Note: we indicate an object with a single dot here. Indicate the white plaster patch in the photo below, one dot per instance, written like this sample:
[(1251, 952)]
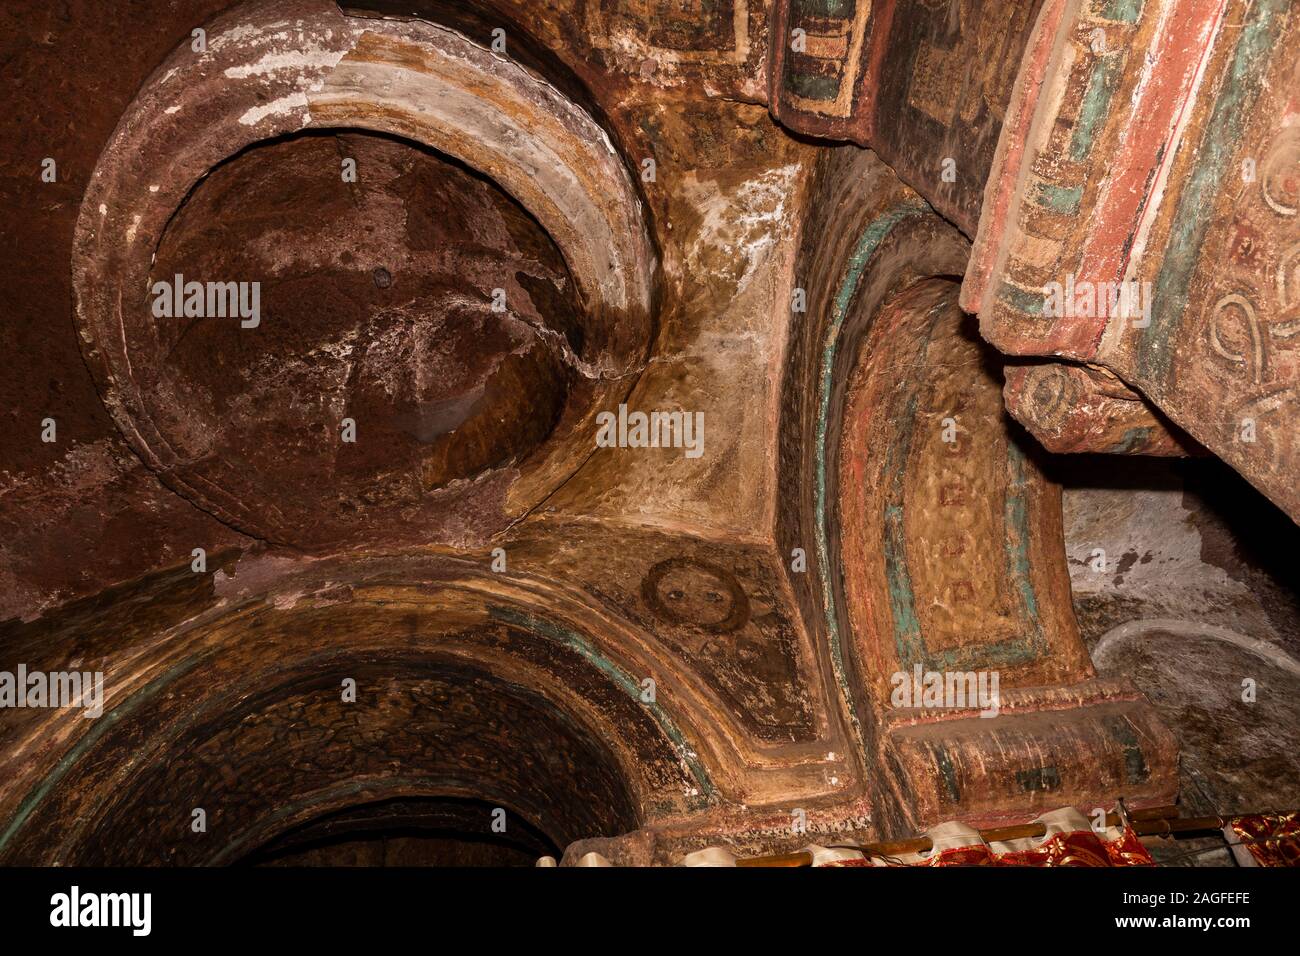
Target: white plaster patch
[(257, 575), (745, 225), (1153, 529), (84, 468), (235, 35), (285, 104), (285, 602), (312, 58)]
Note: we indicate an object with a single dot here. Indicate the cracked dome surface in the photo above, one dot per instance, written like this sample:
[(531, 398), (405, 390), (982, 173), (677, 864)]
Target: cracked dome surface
[(376, 305)]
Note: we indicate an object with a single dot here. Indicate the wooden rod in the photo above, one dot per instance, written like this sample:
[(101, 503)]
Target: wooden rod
[(802, 858)]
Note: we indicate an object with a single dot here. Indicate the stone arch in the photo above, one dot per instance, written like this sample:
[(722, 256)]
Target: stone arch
[(945, 557), (459, 695)]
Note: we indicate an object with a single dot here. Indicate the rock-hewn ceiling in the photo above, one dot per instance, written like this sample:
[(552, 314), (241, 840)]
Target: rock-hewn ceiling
[(612, 414)]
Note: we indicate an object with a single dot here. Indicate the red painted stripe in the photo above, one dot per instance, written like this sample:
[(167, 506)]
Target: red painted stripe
[(994, 225), (1146, 152), (879, 23)]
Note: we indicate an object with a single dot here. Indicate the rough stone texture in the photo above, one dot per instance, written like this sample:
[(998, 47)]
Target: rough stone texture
[(404, 342), (83, 513), (1177, 536), (1240, 751), (425, 831), (667, 652), (1197, 592)]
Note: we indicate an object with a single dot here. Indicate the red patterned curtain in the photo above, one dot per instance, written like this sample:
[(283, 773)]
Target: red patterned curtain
[(1269, 839), (1069, 841)]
